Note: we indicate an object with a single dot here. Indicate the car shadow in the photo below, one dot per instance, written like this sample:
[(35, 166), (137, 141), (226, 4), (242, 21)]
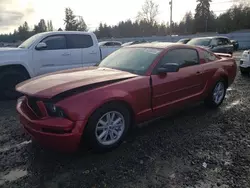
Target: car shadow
[(142, 145)]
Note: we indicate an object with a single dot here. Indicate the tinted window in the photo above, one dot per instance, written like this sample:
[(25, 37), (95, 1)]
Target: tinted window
[(116, 44), (112, 44), (55, 42), (225, 41), (109, 44), (200, 41), (222, 41), (79, 41), (183, 57)]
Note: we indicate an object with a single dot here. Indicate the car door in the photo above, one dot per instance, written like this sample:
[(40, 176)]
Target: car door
[(54, 57), (220, 45), (82, 49), (228, 45), (176, 88)]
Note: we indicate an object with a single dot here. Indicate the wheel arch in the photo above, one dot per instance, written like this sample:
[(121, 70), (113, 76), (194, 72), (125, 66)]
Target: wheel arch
[(220, 74), (15, 67), (120, 101)]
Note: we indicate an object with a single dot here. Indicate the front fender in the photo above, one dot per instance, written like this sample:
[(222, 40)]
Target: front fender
[(17, 58), (16, 63), (83, 105)]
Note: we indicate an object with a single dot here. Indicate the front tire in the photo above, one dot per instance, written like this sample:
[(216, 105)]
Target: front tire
[(244, 72), (217, 96), (107, 127), (8, 80)]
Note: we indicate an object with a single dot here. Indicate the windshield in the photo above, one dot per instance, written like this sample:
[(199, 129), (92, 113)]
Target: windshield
[(27, 43), (200, 42), (134, 60)]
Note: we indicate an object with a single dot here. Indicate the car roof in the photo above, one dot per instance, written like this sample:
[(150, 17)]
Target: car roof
[(161, 45), (213, 37), (109, 41), (185, 39)]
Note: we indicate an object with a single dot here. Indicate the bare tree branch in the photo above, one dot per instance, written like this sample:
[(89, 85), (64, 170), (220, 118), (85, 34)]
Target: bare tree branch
[(149, 12), (245, 2)]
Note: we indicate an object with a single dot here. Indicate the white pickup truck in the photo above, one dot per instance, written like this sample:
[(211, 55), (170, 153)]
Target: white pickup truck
[(245, 63), (48, 52)]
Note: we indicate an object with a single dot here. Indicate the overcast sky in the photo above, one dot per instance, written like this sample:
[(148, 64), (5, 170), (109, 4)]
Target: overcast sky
[(15, 12)]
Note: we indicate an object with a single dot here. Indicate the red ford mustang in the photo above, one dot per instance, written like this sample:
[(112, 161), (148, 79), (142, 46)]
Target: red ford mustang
[(134, 84)]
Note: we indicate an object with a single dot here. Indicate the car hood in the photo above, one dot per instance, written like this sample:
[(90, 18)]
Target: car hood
[(50, 85), (6, 54), (8, 49)]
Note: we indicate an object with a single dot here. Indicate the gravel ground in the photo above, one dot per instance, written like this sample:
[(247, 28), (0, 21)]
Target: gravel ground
[(195, 148)]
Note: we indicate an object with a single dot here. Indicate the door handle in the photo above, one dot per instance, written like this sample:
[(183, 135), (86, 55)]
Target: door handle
[(66, 54), (93, 52), (198, 72)]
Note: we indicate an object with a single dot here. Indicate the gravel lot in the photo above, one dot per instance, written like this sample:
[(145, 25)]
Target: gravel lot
[(195, 148)]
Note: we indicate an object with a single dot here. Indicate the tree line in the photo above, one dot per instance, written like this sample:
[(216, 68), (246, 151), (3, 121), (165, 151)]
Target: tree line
[(71, 21), (204, 20)]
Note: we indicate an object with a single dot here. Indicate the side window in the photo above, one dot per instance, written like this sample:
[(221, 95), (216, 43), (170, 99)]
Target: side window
[(221, 41), (209, 57), (79, 41), (55, 42), (108, 44), (226, 41), (214, 42), (116, 44), (183, 57)]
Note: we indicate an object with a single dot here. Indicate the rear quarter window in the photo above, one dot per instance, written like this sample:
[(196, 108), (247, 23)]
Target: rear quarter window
[(79, 41), (208, 56)]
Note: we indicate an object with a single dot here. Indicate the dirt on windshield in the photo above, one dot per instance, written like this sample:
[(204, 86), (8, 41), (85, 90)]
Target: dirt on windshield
[(195, 148)]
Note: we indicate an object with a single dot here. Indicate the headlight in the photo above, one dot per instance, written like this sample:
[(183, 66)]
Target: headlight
[(54, 111)]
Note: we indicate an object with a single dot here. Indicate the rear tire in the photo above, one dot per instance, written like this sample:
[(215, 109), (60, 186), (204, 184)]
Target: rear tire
[(104, 135), (8, 80), (217, 95), (244, 73)]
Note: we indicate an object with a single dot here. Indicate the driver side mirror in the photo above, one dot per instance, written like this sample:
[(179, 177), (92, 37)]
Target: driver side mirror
[(41, 46), (168, 67)]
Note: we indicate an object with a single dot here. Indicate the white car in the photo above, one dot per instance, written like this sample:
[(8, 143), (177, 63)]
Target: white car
[(110, 43), (48, 52), (245, 62)]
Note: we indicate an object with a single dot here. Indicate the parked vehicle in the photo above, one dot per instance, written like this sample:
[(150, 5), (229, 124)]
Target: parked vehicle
[(214, 44), (110, 43), (134, 84), (48, 52), (133, 42), (184, 41), (245, 63), (235, 44)]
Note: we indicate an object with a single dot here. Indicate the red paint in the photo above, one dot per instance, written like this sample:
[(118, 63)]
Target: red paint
[(172, 90)]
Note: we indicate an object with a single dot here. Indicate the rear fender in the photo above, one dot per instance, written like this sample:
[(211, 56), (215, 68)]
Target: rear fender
[(219, 74)]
